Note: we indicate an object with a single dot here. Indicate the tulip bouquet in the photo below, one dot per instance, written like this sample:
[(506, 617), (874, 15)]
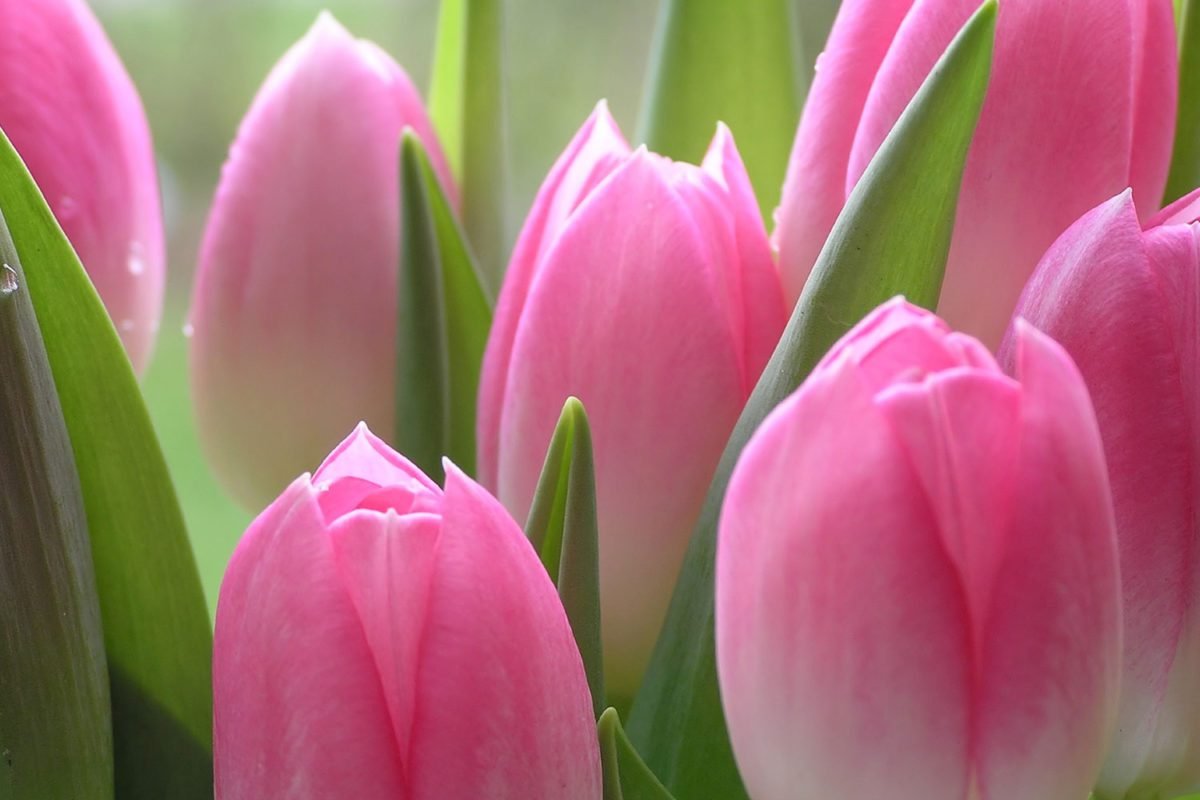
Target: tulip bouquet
[(892, 493)]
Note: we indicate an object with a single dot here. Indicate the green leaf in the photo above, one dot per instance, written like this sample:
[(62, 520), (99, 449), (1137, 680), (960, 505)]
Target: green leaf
[(626, 776), (716, 60), (55, 722), (1184, 175), (892, 237), (467, 102), (444, 318), (157, 633), (562, 527)]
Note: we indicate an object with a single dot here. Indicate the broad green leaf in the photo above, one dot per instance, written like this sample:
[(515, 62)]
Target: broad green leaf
[(892, 238), (735, 62), (1184, 175), (562, 527), (626, 776), (157, 633), (444, 318), (467, 102), (55, 720)]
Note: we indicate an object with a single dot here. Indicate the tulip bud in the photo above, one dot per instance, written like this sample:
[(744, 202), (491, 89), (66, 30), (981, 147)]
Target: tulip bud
[(377, 637), (916, 577), (1123, 301), (1080, 104), (645, 288), (71, 111), (294, 311)]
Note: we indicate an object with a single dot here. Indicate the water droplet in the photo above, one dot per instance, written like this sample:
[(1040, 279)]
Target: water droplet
[(817, 65), (188, 330), (65, 208), (8, 280), (137, 258), (127, 325)]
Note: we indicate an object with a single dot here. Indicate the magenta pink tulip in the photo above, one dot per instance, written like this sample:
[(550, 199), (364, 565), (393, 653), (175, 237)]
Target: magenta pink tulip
[(646, 288), (1125, 302), (294, 311), (916, 579), (74, 116), (1081, 104), (380, 638)]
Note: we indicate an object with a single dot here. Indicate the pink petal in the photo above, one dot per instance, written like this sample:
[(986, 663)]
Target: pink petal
[(295, 299), (842, 633), (1155, 99), (961, 431), (299, 711), (1050, 671), (73, 114), (1036, 163), (757, 306), (629, 315), (1124, 304), (387, 563), (814, 191), (503, 709), (595, 152)]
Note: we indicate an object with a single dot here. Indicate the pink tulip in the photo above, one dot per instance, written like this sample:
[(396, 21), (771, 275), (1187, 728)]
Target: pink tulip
[(74, 116), (1125, 303), (380, 638), (294, 311), (916, 578), (1081, 104), (645, 288)]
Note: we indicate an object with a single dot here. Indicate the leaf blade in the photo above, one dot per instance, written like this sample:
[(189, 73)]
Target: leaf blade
[(562, 525), (157, 633), (731, 62), (53, 674), (888, 240), (443, 319), (626, 776), (467, 103)]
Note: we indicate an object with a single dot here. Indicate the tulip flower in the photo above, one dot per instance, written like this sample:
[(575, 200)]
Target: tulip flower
[(1123, 301), (74, 116), (1080, 105), (377, 637), (645, 288), (916, 576), (294, 310)]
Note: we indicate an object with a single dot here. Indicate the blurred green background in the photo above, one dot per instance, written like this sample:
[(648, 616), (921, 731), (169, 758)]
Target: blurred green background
[(197, 64)]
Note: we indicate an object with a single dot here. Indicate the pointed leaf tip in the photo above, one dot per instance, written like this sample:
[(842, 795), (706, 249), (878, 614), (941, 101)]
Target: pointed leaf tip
[(562, 526)]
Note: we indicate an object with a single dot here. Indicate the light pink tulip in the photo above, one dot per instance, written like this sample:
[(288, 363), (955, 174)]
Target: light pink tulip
[(294, 311), (73, 114), (1125, 303), (916, 578), (378, 638), (1081, 104), (646, 288)]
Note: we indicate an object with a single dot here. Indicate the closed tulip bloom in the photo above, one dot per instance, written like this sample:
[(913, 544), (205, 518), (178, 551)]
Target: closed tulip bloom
[(377, 637), (1124, 301), (1080, 105), (70, 109), (646, 288), (916, 576), (294, 309)]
